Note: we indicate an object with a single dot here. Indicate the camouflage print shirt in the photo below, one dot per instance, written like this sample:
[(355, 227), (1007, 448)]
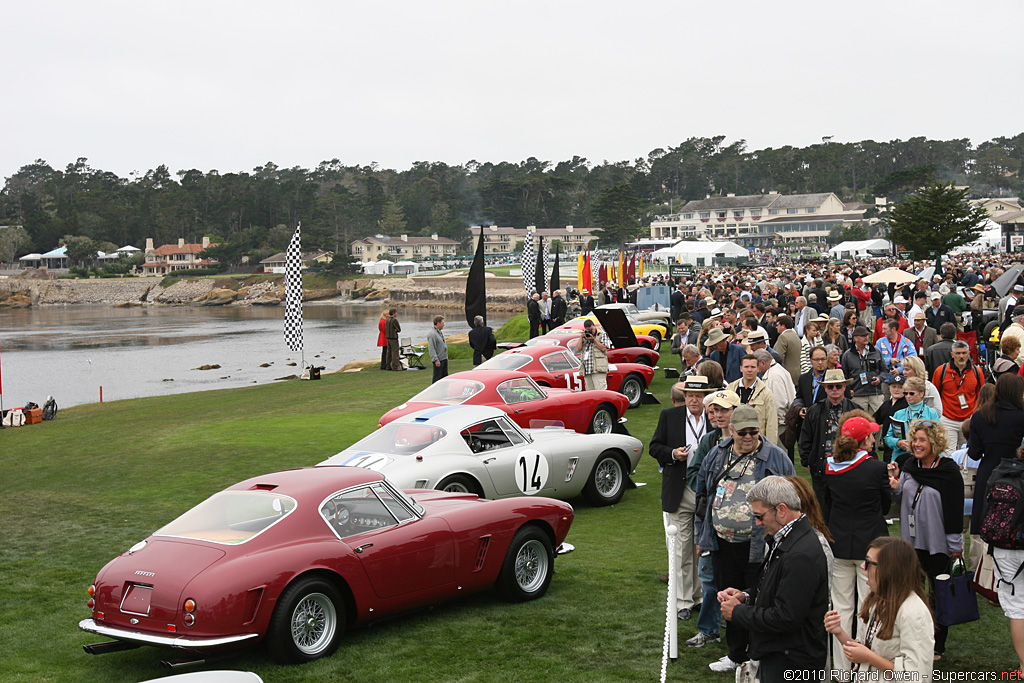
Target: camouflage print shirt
[(731, 516)]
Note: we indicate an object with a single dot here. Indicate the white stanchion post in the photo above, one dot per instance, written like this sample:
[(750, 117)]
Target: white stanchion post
[(670, 647)]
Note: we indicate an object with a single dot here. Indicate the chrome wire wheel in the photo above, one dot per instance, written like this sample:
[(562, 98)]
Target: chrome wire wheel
[(531, 566), (608, 477), (314, 621), (603, 421), (632, 388)]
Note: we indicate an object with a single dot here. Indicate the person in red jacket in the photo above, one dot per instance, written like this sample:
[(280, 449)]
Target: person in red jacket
[(888, 313), (382, 341), (959, 382)]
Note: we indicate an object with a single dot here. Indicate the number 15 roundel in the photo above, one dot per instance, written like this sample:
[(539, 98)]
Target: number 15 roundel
[(531, 471)]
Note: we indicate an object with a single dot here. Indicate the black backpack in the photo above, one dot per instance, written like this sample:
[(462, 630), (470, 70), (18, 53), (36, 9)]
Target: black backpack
[(1002, 519)]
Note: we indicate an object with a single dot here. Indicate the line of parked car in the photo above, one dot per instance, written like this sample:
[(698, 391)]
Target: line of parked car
[(461, 488)]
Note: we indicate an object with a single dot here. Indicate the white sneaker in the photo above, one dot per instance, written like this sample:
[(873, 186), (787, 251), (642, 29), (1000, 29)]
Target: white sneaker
[(723, 664)]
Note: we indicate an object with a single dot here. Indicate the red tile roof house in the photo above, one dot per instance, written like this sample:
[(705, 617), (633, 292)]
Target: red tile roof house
[(172, 257)]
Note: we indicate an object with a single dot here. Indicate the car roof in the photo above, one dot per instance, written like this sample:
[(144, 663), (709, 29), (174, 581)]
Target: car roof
[(309, 483), (458, 416), (490, 378)]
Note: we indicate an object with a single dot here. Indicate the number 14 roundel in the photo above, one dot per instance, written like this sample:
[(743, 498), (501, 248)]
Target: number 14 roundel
[(531, 471)]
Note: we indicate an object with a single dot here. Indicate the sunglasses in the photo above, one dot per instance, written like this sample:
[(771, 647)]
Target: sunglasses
[(759, 516), (749, 432), (926, 423), (910, 393), (836, 387)]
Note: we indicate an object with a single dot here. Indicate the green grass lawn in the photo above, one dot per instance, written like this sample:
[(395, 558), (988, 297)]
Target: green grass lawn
[(77, 491)]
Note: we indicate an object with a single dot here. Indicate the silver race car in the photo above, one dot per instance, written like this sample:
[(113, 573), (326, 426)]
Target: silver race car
[(478, 449)]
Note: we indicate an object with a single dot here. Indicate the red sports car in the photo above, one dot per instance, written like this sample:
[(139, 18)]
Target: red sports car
[(629, 354), (558, 367), (529, 405), (293, 558)]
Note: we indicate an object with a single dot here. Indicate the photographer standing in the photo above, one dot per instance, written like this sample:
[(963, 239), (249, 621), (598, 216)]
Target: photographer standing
[(594, 343)]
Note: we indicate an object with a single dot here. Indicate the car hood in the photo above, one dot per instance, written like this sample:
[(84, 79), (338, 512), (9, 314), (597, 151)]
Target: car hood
[(166, 566)]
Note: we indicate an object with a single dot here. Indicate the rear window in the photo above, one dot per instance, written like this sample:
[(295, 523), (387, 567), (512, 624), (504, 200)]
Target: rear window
[(231, 517), (450, 391), (506, 361)]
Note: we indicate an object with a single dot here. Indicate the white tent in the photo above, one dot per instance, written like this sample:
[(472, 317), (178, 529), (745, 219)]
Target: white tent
[(991, 238), (699, 253), (406, 268), (860, 249), (381, 267)]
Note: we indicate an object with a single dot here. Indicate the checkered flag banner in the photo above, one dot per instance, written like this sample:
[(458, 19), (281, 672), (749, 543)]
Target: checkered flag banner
[(529, 263), (547, 267), (293, 291)]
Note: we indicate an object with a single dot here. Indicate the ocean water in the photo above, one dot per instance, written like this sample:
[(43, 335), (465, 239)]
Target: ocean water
[(70, 352)]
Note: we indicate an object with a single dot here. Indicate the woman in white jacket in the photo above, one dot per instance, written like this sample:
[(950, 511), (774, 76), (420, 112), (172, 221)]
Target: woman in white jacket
[(895, 631)]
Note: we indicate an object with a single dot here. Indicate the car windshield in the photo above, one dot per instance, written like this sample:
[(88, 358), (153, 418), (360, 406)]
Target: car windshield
[(449, 390), (231, 517), (506, 361), (399, 438)]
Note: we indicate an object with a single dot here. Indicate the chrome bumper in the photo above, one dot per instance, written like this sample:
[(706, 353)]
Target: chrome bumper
[(183, 642), (564, 549)]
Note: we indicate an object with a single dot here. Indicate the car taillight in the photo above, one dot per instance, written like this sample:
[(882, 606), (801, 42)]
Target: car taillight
[(92, 590), (91, 603), (190, 606)]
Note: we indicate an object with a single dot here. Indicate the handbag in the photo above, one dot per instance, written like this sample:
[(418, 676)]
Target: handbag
[(955, 599), (748, 672), (986, 583)]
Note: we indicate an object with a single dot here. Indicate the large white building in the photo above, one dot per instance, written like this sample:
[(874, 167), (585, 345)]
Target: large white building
[(760, 219)]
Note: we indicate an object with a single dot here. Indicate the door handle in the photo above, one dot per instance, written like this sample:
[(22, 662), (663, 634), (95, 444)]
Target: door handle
[(359, 549), (518, 410), (488, 461)]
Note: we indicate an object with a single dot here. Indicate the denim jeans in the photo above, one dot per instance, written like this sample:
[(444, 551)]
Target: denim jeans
[(709, 622)]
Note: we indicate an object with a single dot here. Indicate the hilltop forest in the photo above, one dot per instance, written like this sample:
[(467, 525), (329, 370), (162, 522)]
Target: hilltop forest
[(256, 211)]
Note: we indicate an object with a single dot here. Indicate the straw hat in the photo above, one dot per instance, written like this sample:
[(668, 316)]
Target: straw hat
[(835, 377), (715, 336)]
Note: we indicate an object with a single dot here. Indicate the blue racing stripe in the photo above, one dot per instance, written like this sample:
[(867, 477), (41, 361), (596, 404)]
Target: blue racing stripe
[(423, 417)]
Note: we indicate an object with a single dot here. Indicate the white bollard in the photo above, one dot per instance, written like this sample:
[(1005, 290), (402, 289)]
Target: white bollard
[(670, 646)]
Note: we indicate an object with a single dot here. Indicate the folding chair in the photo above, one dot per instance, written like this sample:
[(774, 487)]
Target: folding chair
[(411, 353)]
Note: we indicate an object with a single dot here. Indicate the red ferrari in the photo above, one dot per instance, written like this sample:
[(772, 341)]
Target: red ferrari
[(556, 366), (528, 404), (628, 354), (291, 559), (574, 327)]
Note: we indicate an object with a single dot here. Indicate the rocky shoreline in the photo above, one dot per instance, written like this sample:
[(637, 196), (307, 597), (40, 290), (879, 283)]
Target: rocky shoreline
[(443, 293)]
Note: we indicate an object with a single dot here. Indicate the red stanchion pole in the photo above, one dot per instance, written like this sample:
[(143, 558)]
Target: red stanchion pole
[(101, 393)]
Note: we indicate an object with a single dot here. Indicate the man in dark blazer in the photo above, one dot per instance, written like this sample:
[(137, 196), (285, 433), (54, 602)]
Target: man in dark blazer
[(558, 308), (533, 314), (784, 611), (808, 388), (586, 302), (679, 431), (921, 335)]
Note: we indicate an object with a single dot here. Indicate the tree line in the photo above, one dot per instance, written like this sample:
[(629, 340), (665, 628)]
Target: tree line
[(256, 211)]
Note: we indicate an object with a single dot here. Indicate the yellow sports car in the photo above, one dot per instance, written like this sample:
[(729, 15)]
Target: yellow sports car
[(648, 327)]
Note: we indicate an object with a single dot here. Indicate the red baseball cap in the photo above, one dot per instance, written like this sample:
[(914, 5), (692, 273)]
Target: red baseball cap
[(858, 428)]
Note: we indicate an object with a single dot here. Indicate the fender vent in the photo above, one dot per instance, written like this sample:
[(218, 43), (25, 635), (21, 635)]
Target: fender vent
[(481, 552)]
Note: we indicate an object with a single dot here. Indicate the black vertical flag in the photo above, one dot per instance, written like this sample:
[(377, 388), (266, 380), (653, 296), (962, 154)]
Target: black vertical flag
[(556, 280), (476, 289), (539, 278)]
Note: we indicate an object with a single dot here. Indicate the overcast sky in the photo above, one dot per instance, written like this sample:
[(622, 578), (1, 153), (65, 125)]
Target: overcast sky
[(224, 85)]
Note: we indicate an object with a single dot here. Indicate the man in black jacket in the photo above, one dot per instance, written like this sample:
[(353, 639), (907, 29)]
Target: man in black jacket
[(533, 314), (809, 389), (558, 309), (586, 302), (679, 431), (941, 352), (784, 612), (481, 339), (820, 429)]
